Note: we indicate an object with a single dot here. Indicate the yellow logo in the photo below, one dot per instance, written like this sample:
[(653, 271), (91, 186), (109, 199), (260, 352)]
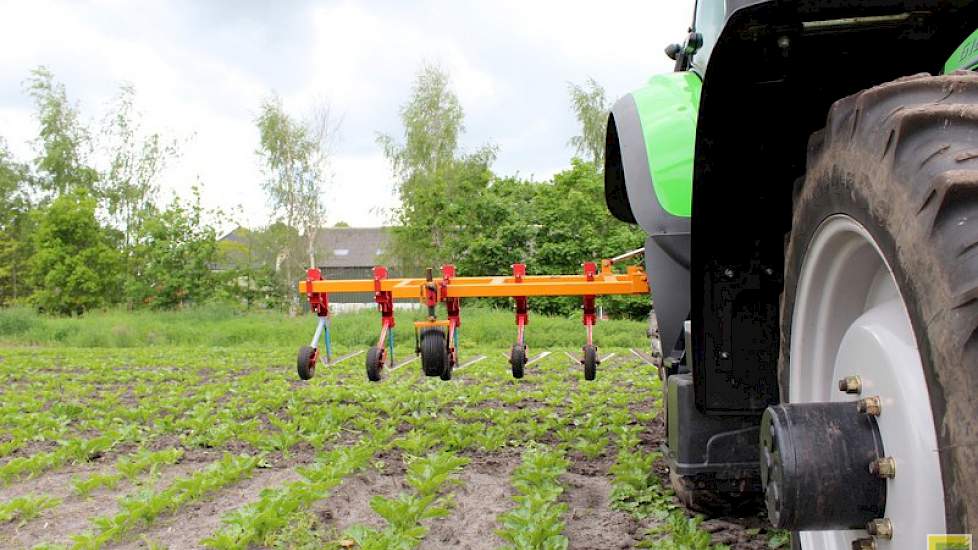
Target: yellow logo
[(949, 542)]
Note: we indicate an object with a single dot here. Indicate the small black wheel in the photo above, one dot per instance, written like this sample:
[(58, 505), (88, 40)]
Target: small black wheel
[(517, 358), (375, 363), (433, 352), (306, 362), (590, 362), (446, 373)]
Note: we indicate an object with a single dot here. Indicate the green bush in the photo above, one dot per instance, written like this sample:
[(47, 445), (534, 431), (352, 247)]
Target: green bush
[(16, 320)]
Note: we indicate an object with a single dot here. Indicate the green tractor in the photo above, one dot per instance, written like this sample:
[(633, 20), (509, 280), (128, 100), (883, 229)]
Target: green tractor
[(810, 192)]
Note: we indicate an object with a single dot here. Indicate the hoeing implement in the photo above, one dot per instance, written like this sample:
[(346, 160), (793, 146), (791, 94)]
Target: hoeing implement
[(436, 340)]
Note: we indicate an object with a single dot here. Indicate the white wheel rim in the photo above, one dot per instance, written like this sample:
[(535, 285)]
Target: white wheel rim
[(851, 320)]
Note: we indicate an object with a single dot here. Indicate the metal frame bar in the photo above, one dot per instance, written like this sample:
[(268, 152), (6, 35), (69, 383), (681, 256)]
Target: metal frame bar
[(602, 284)]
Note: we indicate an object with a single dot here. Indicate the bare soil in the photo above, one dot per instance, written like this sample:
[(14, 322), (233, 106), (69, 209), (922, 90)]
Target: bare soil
[(196, 521), (484, 493), (75, 512)]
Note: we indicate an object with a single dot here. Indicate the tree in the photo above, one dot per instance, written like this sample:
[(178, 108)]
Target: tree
[(64, 142), (16, 225), (295, 157), (435, 181), (176, 255), (76, 264), (432, 121), (573, 226), (135, 161), (591, 109)]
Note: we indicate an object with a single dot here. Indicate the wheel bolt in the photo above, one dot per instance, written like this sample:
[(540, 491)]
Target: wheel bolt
[(851, 384), (883, 467), (864, 544), (881, 527), (869, 405)]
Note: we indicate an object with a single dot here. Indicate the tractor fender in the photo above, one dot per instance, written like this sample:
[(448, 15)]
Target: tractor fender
[(649, 154), (649, 180)]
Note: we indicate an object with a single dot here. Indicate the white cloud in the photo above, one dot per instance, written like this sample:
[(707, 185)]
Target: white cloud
[(201, 69)]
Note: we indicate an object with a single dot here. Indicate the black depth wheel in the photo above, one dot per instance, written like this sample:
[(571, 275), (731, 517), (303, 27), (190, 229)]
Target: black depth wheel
[(590, 362), (433, 352), (517, 358), (375, 363), (446, 373), (306, 362)]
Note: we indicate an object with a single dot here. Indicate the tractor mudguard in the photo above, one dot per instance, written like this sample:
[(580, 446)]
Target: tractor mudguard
[(965, 56), (649, 180), (649, 153)]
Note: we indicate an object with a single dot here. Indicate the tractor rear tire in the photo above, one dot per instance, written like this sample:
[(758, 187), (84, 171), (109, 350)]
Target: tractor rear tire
[(517, 358), (590, 362), (896, 165), (433, 352), (375, 363), (306, 362)]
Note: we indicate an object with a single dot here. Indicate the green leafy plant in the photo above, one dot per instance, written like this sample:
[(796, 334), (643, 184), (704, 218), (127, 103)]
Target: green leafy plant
[(26, 508), (536, 522), (680, 533)]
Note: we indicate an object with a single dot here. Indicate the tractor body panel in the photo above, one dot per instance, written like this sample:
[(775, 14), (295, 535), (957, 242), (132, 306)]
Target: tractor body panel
[(649, 181), (650, 176), (770, 71)]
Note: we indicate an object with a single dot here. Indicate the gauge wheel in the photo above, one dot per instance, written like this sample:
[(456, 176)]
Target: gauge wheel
[(517, 359), (375, 363), (306, 362), (881, 283), (433, 352), (446, 373), (590, 362)]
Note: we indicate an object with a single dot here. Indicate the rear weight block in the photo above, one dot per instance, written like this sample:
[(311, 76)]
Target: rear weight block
[(815, 461)]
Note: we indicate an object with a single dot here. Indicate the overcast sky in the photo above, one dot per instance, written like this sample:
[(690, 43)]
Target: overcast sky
[(201, 69)]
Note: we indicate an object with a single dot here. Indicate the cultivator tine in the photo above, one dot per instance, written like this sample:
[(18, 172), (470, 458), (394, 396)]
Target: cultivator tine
[(471, 361), (537, 357), (606, 357), (647, 359), (350, 355), (405, 362)]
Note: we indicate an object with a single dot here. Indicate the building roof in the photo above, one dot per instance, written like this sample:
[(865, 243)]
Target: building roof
[(338, 247), (351, 246)]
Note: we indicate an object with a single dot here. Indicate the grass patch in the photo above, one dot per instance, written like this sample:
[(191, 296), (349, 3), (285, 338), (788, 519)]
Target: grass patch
[(217, 326)]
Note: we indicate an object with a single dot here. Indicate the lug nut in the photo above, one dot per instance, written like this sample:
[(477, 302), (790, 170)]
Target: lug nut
[(881, 527), (864, 544), (883, 467), (869, 405), (851, 384)]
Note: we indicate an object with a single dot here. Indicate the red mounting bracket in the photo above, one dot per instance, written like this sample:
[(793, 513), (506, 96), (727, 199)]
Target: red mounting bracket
[(318, 301), (590, 316), (522, 311), (384, 299), (452, 305)]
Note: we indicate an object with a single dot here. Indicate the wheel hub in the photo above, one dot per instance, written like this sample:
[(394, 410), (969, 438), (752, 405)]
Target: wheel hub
[(815, 461), (850, 322)]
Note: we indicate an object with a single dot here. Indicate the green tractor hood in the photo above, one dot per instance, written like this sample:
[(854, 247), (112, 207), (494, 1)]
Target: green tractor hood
[(649, 154)]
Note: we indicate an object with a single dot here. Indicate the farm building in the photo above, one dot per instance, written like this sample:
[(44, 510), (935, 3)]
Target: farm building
[(340, 253)]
